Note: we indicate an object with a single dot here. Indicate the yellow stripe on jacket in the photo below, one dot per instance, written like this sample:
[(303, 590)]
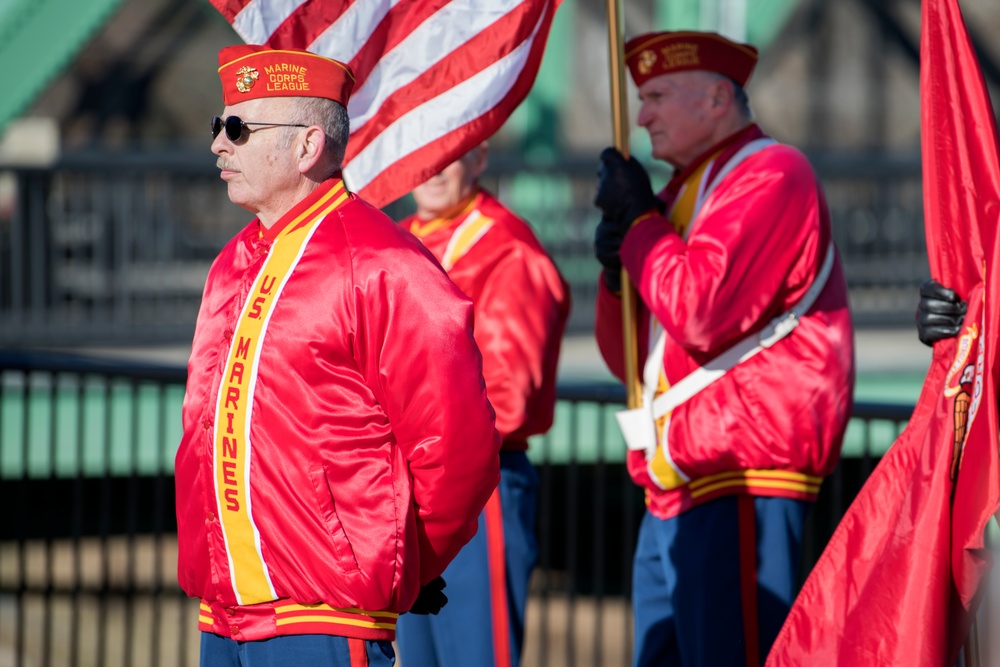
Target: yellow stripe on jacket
[(233, 449), (761, 479), (662, 468), (465, 237)]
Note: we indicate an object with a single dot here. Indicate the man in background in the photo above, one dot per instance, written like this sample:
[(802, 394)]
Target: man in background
[(338, 444), (521, 306)]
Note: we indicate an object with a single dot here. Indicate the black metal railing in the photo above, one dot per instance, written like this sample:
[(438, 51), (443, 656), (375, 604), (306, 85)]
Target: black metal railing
[(88, 544), (115, 248)]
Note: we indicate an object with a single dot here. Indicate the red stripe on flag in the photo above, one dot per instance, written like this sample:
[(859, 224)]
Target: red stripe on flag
[(411, 170), (497, 562), (747, 522), (311, 19), (306, 23), (229, 8), (487, 47), (397, 25)]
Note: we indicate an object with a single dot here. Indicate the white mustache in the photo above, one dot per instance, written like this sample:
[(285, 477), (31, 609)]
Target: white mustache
[(224, 165)]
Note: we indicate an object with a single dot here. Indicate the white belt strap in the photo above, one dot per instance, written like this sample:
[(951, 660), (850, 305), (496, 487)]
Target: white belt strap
[(706, 188), (638, 424), (776, 329)]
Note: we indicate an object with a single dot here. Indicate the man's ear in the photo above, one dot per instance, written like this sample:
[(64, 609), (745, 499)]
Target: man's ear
[(722, 96), (481, 159), (310, 148)]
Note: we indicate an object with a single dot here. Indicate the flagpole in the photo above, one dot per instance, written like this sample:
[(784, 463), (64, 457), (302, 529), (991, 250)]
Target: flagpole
[(619, 121)]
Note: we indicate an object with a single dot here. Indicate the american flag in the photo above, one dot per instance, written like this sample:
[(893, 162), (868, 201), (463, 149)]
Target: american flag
[(434, 77)]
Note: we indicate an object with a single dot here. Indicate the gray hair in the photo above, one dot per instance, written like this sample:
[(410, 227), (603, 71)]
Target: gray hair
[(741, 100), (329, 115)]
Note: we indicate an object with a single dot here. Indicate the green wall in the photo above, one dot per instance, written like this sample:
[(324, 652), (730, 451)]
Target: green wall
[(38, 38)]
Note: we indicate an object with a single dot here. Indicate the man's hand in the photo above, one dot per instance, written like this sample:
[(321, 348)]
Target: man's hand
[(623, 189), (623, 194), (607, 244), (939, 313), (431, 598)]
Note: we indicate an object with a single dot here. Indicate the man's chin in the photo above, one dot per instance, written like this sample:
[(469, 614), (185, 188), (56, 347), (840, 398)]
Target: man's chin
[(437, 208), (664, 156), (237, 196), (659, 152)]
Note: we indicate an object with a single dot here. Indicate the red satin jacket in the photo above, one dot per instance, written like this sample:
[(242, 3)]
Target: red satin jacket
[(338, 445), (521, 306), (773, 425)]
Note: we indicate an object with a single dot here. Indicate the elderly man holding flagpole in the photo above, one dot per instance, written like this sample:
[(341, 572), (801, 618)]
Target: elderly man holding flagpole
[(747, 345)]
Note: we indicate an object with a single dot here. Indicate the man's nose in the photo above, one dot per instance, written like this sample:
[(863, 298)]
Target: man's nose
[(221, 143), (644, 117)]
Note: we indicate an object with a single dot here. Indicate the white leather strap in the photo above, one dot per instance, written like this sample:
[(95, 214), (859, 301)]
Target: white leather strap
[(775, 330), (638, 425), (708, 187)]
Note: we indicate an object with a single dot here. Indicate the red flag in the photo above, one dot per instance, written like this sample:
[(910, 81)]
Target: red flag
[(898, 582), (434, 77)]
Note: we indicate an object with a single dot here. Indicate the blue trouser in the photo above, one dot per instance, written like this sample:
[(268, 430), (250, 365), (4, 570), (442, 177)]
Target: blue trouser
[(294, 651), (712, 587), (503, 552)]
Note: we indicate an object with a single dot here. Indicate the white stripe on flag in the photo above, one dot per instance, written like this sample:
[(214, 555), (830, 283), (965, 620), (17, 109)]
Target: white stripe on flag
[(433, 41), (258, 20), (438, 117), (344, 38)]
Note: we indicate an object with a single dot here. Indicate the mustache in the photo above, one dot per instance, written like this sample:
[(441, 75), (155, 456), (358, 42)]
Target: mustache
[(225, 165)]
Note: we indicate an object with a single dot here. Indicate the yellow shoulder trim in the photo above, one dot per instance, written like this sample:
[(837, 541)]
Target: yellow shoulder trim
[(465, 237)]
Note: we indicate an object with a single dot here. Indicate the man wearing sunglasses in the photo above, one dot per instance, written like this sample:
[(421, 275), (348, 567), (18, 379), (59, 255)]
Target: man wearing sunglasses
[(338, 445)]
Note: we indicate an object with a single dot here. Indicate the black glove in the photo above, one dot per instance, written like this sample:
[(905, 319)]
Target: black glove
[(431, 598), (623, 194), (623, 189), (939, 313), (607, 244)]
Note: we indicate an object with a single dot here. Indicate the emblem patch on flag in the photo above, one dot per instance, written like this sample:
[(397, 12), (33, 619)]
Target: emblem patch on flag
[(961, 391)]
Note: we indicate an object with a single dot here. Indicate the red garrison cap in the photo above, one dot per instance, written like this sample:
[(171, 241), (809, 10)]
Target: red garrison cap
[(249, 72), (658, 53)]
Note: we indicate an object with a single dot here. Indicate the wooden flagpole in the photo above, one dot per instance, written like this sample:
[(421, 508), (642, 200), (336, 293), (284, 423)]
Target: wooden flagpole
[(619, 120)]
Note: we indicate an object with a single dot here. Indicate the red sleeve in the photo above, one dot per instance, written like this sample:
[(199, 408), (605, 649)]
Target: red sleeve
[(737, 267), (420, 358), (608, 330), (520, 318)]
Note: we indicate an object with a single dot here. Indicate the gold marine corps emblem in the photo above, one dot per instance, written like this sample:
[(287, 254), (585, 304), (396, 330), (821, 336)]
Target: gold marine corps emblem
[(246, 77), (646, 61)]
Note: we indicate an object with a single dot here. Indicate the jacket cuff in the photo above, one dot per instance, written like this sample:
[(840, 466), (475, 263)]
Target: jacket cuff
[(640, 240)]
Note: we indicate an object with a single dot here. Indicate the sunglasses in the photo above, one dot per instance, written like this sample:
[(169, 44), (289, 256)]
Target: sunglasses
[(235, 125)]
